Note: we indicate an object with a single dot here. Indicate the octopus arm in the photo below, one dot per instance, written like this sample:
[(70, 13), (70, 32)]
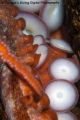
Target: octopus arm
[(10, 95)]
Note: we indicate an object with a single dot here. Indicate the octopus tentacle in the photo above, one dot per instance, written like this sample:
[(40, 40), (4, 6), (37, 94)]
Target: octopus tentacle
[(9, 91), (26, 49), (30, 59), (19, 82), (18, 68)]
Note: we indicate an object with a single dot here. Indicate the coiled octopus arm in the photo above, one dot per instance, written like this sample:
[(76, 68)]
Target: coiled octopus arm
[(20, 88), (10, 73), (18, 68)]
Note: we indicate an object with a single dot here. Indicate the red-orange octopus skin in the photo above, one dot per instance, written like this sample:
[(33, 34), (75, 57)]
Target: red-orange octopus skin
[(14, 31), (47, 114), (11, 93), (21, 71), (54, 54), (42, 105), (38, 113), (30, 59), (40, 110), (21, 89), (29, 48)]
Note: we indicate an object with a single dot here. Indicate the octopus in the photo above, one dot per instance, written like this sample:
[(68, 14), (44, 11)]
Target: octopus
[(21, 84), (21, 90)]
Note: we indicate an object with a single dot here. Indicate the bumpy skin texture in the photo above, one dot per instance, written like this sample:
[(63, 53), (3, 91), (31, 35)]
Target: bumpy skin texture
[(20, 90), (9, 92), (9, 85), (12, 36)]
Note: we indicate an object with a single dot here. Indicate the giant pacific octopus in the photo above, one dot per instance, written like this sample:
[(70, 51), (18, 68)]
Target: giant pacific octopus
[(21, 91), (21, 85)]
